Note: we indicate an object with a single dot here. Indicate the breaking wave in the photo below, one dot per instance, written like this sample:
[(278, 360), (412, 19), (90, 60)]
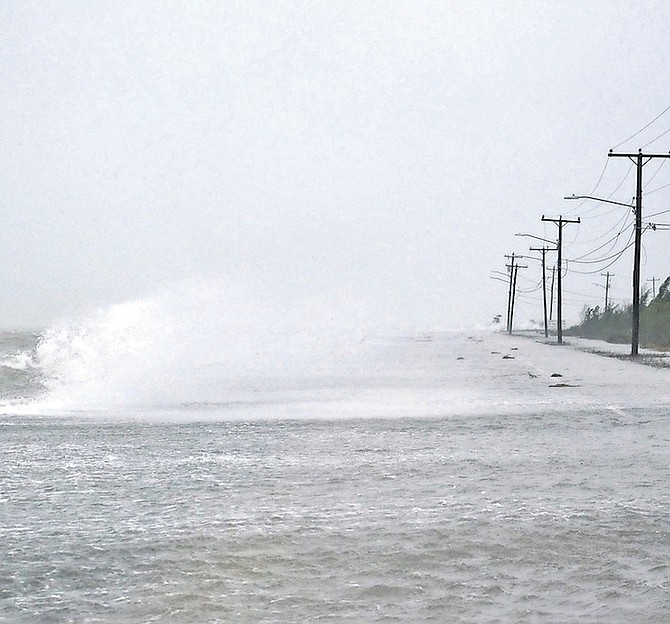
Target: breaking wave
[(192, 343)]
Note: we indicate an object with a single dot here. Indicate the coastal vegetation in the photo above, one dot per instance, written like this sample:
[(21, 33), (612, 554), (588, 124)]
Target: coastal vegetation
[(613, 323)]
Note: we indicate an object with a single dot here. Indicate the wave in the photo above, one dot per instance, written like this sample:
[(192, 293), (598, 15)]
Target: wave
[(197, 343), (20, 378)]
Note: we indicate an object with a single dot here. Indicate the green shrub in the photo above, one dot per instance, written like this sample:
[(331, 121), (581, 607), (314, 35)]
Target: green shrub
[(614, 323)]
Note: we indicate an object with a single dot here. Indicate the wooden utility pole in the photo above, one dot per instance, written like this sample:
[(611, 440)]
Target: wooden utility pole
[(544, 251), (551, 293), (653, 281), (516, 272), (513, 271), (511, 314), (607, 288), (509, 294), (560, 222), (640, 160)]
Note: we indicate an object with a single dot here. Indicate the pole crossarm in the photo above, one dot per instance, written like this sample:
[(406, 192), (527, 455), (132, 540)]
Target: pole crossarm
[(561, 220), (612, 154)]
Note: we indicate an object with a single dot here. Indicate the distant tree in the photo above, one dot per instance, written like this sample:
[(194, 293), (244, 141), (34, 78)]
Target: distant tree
[(664, 290), (590, 314), (655, 318)]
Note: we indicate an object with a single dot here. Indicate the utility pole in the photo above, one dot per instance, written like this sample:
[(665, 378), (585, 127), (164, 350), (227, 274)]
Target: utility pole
[(511, 317), (509, 293), (640, 160), (551, 293), (607, 288), (513, 271), (544, 251), (653, 281), (560, 222)]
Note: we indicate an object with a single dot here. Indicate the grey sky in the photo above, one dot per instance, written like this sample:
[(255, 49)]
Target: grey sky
[(380, 155)]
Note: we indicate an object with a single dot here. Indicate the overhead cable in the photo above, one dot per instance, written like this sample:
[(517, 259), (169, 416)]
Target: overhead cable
[(632, 136), (611, 240), (657, 138), (607, 266), (657, 189)]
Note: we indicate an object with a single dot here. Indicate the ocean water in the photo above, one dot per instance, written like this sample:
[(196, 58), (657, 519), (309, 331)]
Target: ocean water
[(418, 478)]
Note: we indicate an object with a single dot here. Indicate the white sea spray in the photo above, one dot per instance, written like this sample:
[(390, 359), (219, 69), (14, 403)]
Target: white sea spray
[(189, 343)]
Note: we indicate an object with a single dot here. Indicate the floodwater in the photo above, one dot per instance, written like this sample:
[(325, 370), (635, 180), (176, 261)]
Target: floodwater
[(443, 478)]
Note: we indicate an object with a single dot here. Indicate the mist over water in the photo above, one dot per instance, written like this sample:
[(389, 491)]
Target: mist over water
[(204, 349), (208, 349), (200, 342)]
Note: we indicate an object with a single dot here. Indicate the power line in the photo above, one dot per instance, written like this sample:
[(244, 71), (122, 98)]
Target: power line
[(596, 207), (632, 136), (655, 173), (600, 178), (576, 294), (657, 138), (659, 188), (622, 181), (582, 258), (615, 258), (658, 213), (621, 225)]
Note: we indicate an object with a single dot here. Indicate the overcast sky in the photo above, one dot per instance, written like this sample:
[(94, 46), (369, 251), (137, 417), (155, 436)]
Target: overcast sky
[(378, 154)]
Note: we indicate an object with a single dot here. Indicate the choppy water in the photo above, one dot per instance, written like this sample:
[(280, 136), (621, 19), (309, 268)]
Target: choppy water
[(406, 486)]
